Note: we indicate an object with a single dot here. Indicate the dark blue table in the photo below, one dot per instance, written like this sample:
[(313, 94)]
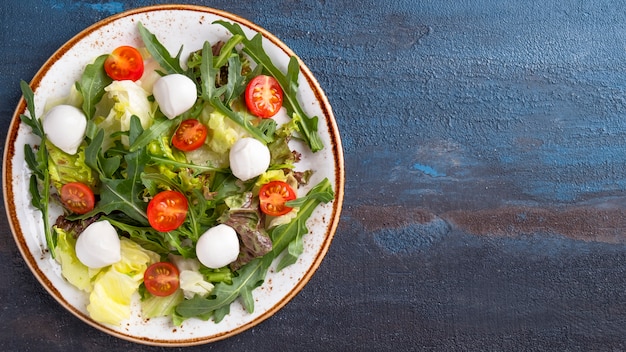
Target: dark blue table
[(485, 174)]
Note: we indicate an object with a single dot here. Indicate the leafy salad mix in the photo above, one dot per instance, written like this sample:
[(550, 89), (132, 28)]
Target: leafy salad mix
[(159, 171)]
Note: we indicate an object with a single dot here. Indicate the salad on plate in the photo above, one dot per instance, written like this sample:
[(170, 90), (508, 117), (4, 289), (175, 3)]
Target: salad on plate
[(178, 181)]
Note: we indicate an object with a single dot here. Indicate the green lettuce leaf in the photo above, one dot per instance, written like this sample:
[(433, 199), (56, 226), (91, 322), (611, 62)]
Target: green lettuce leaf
[(128, 99), (75, 272), (245, 217), (113, 288), (155, 306), (65, 168)]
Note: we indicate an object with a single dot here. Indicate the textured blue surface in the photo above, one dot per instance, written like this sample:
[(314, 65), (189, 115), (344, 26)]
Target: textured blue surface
[(484, 145)]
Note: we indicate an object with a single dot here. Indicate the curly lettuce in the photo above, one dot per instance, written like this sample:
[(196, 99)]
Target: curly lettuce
[(113, 288), (65, 168), (110, 288), (127, 99), (245, 217), (75, 272)]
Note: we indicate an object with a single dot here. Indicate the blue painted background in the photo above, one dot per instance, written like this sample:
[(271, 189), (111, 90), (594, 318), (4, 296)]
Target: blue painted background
[(485, 174)]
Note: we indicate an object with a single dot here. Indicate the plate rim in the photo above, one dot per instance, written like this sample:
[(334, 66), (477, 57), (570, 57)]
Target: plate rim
[(8, 191)]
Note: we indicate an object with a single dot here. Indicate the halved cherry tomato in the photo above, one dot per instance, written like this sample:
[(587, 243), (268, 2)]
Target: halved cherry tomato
[(125, 62), (161, 279), (190, 135), (77, 197), (264, 97), (273, 196), (167, 210)]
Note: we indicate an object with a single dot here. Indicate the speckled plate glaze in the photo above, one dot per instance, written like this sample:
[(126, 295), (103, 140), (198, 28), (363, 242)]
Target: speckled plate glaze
[(174, 25)]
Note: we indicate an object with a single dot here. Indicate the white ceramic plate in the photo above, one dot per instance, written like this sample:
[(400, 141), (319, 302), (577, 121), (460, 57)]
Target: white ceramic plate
[(174, 25)]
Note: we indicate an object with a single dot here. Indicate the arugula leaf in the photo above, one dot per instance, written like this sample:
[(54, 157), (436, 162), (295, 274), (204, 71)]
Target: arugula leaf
[(145, 236), (294, 250), (198, 221), (197, 168), (225, 185), (37, 202), (37, 162), (159, 52), (236, 83), (207, 73), (91, 85), (31, 160), (226, 51), (120, 194), (216, 102), (31, 121), (249, 277), (289, 83), (160, 126), (291, 234), (236, 79), (197, 216), (105, 166), (184, 249)]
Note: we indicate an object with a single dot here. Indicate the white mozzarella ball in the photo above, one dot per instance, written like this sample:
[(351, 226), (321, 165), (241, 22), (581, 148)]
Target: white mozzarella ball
[(65, 127), (98, 245), (175, 94), (218, 246), (248, 158)]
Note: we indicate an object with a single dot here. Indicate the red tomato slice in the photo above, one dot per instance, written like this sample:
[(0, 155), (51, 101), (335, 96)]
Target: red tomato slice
[(264, 97), (190, 135), (273, 196), (77, 197), (161, 279), (124, 63), (167, 211)]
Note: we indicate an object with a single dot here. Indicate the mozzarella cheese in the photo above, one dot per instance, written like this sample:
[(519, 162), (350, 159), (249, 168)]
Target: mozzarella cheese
[(65, 127), (98, 245), (218, 246), (248, 158), (175, 94)]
